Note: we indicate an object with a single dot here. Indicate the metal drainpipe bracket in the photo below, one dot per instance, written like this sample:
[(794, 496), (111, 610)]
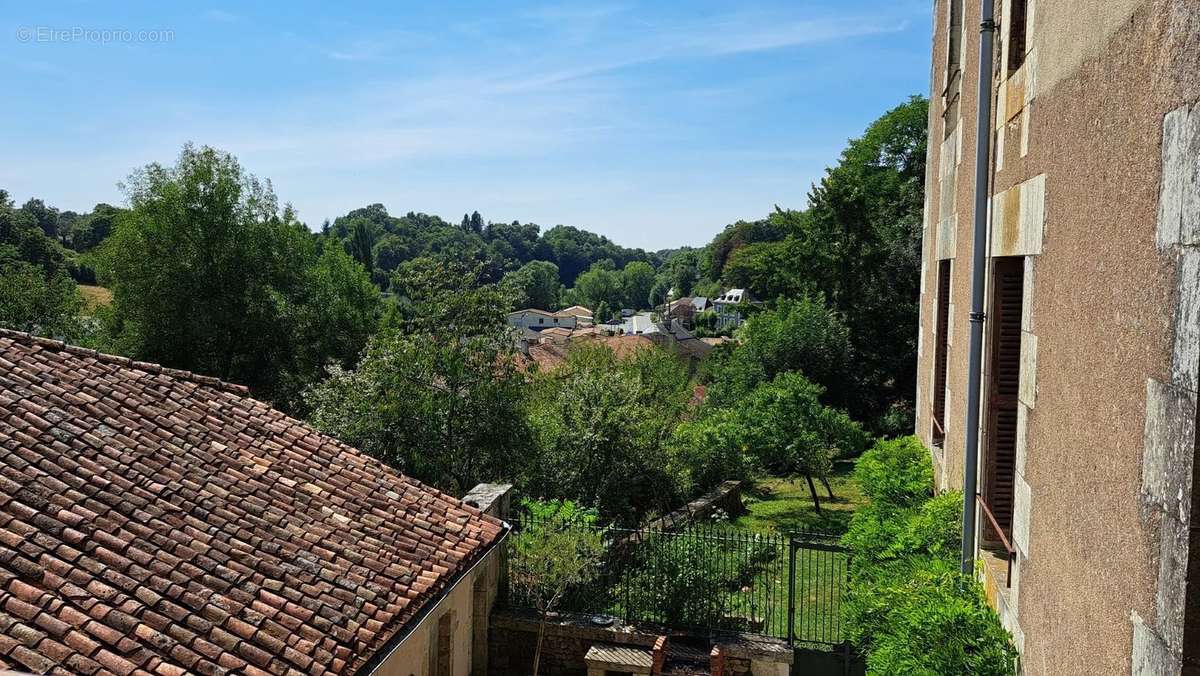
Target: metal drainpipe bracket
[(987, 26), (978, 317)]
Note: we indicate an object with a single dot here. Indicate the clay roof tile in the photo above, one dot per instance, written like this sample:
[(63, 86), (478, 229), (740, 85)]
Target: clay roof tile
[(168, 523)]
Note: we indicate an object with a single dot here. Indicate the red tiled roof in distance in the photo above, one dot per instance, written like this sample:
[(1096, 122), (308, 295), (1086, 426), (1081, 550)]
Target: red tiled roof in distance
[(157, 521)]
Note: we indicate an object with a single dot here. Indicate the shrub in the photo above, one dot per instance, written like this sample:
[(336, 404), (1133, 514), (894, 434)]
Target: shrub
[(935, 528), (908, 606), (896, 472), (688, 580), (709, 450), (878, 533), (935, 621)]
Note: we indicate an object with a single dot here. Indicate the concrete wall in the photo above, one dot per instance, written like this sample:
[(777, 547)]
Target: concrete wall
[(1077, 186)]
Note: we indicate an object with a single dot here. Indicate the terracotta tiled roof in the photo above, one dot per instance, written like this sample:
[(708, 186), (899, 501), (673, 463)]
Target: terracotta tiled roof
[(156, 521)]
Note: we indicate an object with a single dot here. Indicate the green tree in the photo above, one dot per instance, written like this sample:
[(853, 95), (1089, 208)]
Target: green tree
[(361, 245), (534, 285), (709, 449), (207, 274), (390, 251), (734, 237), (32, 300), (637, 279), (438, 394), (601, 284), (796, 335), (559, 549), (333, 315), (602, 426), (858, 246), (682, 271), (791, 433), (44, 217), (88, 230)]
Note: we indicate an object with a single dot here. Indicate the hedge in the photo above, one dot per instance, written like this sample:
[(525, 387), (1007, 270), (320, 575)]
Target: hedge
[(908, 606)]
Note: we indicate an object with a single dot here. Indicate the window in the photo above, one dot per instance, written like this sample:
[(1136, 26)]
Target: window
[(954, 47), (1016, 34), (541, 320), (442, 654), (1004, 377), (942, 323), (954, 58)]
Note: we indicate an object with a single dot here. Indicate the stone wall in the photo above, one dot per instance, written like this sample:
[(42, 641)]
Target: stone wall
[(513, 639), (494, 500), (727, 497)]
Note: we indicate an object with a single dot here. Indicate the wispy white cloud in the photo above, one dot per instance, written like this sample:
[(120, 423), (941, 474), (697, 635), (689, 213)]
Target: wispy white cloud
[(571, 121)]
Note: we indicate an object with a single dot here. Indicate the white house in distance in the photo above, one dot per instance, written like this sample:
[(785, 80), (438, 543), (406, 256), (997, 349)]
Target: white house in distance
[(538, 320), (726, 307), (582, 315)]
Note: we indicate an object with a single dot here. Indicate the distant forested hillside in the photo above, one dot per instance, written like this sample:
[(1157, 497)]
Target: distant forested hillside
[(208, 271)]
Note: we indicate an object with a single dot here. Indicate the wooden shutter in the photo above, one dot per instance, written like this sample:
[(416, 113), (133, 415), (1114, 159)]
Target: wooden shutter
[(940, 353), (1008, 280)]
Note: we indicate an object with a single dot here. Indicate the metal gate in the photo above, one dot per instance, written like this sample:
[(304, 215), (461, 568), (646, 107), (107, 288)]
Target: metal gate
[(709, 577)]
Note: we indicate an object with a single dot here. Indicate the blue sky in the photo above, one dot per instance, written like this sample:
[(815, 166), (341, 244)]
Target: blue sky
[(653, 123)]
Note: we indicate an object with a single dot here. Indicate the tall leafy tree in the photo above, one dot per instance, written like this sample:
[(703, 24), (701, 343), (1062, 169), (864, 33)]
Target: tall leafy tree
[(858, 245), (209, 274), (438, 394), (36, 301), (601, 284), (602, 426), (637, 279), (44, 217), (535, 285)]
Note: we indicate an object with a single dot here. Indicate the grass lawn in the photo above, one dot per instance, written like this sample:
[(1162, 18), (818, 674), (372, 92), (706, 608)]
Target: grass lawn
[(778, 505), (94, 297), (783, 505)]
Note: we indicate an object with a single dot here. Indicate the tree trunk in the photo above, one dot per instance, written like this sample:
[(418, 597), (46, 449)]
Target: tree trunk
[(828, 488), (537, 652), (812, 489)]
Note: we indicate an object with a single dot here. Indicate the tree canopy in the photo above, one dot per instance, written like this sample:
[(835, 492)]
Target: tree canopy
[(209, 274)]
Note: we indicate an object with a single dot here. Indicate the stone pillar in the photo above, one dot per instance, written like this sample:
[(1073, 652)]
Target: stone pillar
[(491, 576)]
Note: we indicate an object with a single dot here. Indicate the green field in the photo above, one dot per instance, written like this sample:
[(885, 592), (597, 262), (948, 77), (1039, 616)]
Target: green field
[(94, 297)]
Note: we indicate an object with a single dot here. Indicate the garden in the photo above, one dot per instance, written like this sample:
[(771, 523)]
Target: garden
[(887, 580)]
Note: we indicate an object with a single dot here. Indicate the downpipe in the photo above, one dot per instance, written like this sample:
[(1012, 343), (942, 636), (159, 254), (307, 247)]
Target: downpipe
[(983, 139)]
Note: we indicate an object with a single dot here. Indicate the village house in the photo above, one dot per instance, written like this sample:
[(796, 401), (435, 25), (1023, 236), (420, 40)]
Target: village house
[(538, 320), (582, 315), (685, 309), (727, 307), (1091, 321), (154, 521)]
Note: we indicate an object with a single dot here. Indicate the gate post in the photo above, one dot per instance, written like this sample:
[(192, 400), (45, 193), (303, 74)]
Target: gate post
[(791, 620)]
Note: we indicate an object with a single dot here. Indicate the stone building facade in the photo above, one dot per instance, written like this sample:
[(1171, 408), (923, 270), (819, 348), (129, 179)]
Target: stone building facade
[(1092, 338)]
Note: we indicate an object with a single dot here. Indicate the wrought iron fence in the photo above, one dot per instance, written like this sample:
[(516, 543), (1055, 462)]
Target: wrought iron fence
[(705, 576)]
